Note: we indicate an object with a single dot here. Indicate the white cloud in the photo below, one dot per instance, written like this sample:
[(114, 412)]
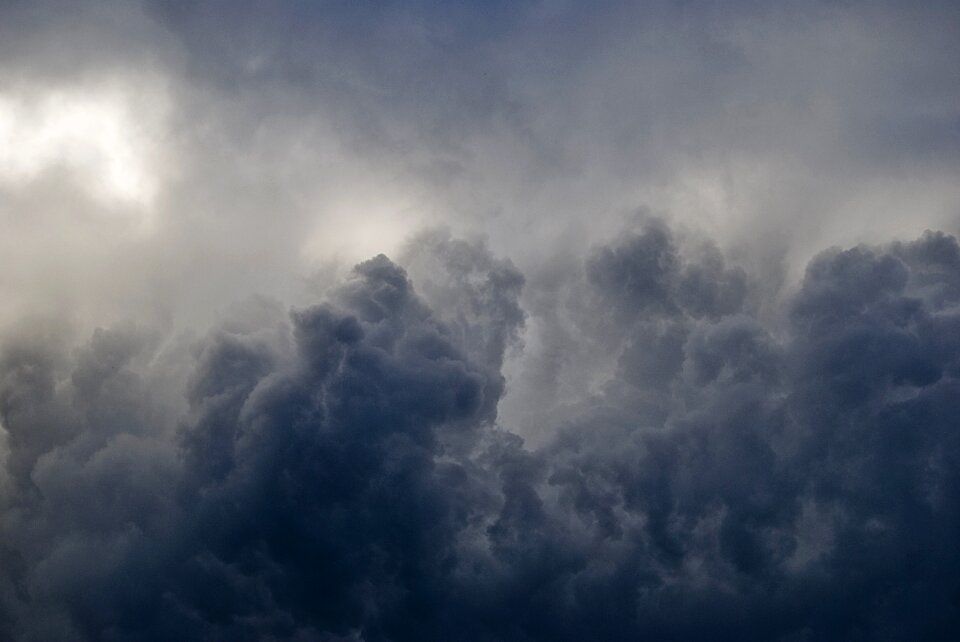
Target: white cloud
[(102, 137)]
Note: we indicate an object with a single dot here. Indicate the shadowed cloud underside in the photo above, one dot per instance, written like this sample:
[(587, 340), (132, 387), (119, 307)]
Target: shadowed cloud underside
[(339, 472)]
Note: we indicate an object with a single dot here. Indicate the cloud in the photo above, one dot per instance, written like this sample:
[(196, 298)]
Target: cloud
[(341, 471), (663, 349), (298, 134)]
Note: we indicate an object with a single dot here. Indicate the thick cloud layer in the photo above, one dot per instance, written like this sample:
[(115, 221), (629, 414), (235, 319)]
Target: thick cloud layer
[(662, 349), (340, 473)]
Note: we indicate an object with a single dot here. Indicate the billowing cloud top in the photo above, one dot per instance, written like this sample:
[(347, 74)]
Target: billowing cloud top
[(667, 346)]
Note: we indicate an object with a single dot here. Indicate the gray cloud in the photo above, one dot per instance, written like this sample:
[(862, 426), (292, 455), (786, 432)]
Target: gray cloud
[(342, 472), (666, 350)]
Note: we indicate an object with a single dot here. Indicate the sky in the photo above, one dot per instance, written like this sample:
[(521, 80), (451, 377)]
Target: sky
[(461, 320)]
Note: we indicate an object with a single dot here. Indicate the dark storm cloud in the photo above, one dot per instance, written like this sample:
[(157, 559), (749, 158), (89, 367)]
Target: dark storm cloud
[(311, 450), (340, 473), (590, 425)]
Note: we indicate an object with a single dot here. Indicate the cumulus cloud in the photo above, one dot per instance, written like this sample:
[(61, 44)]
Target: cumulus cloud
[(662, 349), (340, 472)]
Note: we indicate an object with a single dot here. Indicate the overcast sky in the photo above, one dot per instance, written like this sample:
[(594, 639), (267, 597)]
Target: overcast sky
[(532, 320)]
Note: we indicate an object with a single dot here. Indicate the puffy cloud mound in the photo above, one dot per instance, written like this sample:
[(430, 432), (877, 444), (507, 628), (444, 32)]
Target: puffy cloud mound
[(339, 472)]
